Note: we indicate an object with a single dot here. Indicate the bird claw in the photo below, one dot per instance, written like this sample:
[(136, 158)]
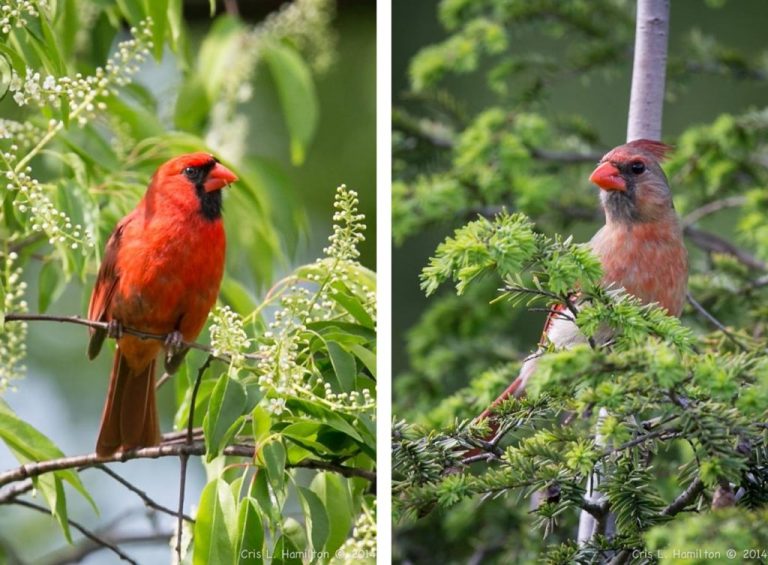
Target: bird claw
[(174, 343), (115, 329)]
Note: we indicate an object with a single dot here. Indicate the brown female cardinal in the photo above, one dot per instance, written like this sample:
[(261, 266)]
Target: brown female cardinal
[(160, 274), (640, 247)]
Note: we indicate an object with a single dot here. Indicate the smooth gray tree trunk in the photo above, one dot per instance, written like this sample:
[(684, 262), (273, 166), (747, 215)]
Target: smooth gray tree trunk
[(649, 70)]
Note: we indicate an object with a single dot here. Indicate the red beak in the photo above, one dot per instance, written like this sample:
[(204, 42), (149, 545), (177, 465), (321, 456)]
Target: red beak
[(219, 177), (607, 177)]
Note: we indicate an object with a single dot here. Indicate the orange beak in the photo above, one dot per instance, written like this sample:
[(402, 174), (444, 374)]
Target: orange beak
[(607, 177), (219, 177)]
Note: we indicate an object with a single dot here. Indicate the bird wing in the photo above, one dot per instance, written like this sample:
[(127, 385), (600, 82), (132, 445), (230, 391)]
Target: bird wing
[(104, 290)]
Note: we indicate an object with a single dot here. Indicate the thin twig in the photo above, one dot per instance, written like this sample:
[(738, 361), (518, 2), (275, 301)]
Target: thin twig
[(714, 321), (677, 506), (162, 380), (716, 244), (184, 459), (685, 498), (78, 552), (82, 529), (712, 207), (16, 490), (17, 317), (141, 494)]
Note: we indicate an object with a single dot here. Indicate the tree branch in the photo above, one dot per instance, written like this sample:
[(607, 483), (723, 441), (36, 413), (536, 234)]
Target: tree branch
[(685, 498), (14, 491), (714, 321), (81, 550), (441, 136), (196, 448), (141, 494), (716, 244), (712, 207), (82, 529), (17, 317)]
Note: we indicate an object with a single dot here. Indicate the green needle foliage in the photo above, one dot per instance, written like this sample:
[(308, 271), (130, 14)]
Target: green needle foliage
[(680, 446)]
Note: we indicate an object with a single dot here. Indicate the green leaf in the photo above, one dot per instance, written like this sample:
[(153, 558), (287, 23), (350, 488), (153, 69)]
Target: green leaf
[(52, 489), (225, 408), (212, 4), (28, 444), (274, 459), (16, 60), (260, 491), (181, 418), (316, 518), (5, 75), (343, 365), (51, 284), (367, 356), (334, 495), (305, 434), (219, 43), (250, 532), (344, 297), (192, 110), (328, 417), (175, 24), (158, 9), (335, 326), (237, 296), (45, 43), (261, 422), (298, 98), (68, 24), (215, 525), (133, 10), (284, 552)]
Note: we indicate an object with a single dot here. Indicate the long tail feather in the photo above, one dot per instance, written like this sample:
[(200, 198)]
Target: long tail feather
[(516, 389), (130, 418)]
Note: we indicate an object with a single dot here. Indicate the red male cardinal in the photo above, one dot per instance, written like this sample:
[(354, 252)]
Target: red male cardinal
[(161, 273), (640, 247)]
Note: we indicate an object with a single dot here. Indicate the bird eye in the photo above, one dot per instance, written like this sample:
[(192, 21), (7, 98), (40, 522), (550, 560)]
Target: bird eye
[(191, 173), (638, 167)]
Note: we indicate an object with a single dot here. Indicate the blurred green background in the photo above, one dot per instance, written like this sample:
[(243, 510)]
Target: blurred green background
[(66, 404), (602, 101)]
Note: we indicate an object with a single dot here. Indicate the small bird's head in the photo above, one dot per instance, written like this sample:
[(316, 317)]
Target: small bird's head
[(200, 169), (634, 187), (193, 175)]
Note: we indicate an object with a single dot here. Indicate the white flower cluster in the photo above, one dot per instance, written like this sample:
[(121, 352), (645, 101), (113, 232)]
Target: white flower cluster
[(348, 226), (286, 372), (80, 92), (23, 134), (352, 401), (13, 336), (32, 201), (279, 368), (14, 13), (361, 546), (307, 23), (228, 337), (284, 367)]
